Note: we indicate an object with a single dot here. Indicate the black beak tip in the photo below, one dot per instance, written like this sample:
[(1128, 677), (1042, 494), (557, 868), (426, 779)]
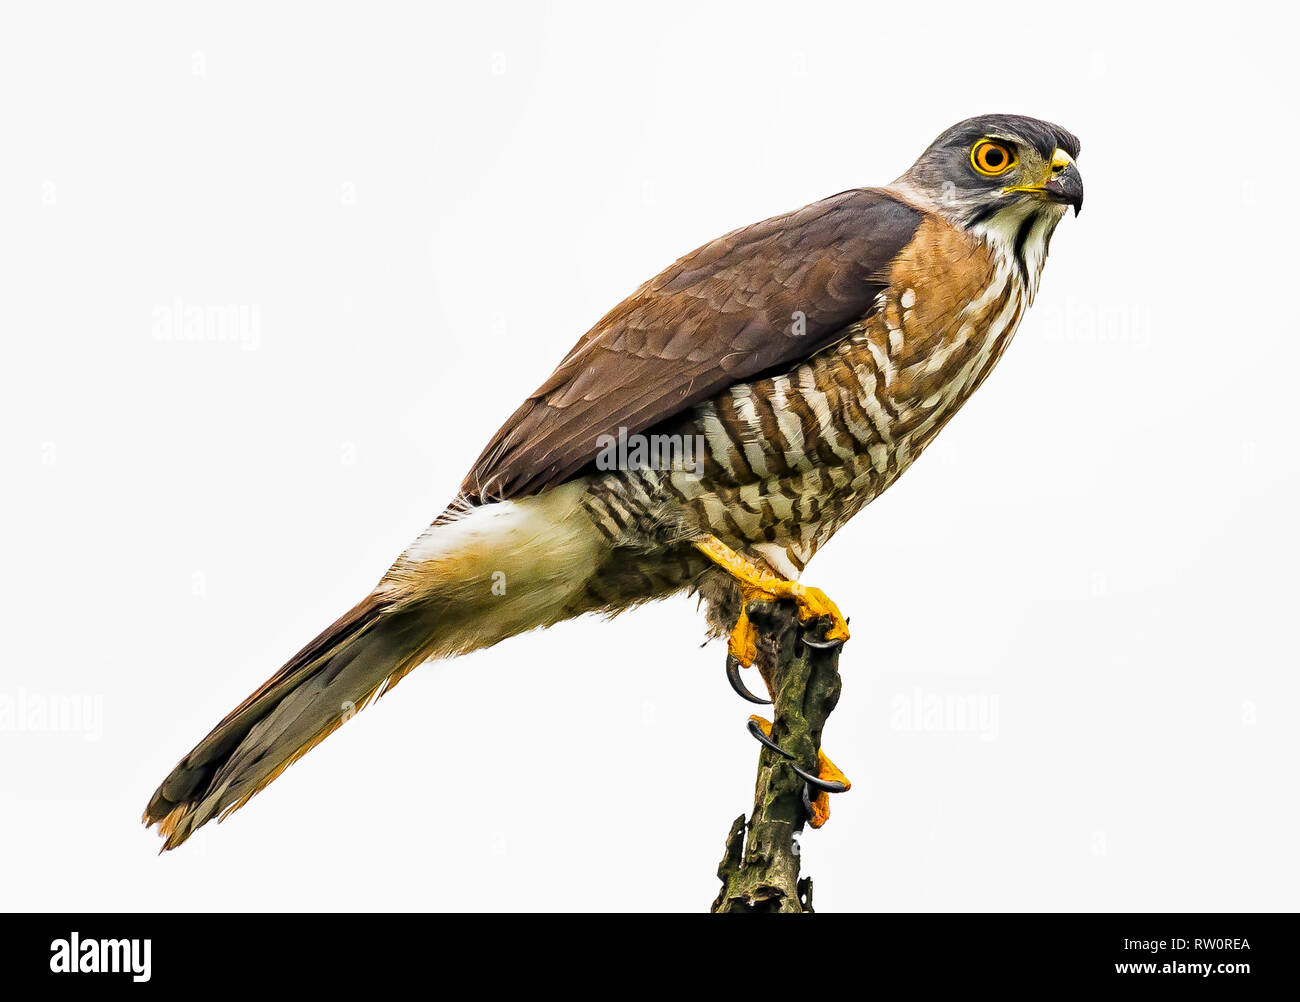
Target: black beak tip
[(1067, 189)]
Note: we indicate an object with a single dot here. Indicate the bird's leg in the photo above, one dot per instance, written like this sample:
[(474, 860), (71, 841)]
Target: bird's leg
[(742, 651), (828, 779), (755, 582)]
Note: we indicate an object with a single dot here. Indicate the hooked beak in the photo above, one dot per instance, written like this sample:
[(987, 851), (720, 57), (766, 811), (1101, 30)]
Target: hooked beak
[(1063, 183)]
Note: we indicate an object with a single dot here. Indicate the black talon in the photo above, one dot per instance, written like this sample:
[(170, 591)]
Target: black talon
[(828, 785), (733, 676), (807, 803), (764, 740)]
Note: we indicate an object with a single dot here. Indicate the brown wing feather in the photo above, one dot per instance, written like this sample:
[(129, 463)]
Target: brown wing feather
[(720, 315)]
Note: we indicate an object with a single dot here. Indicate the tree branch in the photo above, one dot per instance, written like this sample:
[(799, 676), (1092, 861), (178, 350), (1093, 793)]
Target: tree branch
[(761, 873)]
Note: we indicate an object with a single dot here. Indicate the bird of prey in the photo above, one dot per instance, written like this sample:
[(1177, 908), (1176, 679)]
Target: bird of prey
[(793, 368)]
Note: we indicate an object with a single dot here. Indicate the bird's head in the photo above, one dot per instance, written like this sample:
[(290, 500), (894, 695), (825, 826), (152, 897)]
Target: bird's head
[(992, 165)]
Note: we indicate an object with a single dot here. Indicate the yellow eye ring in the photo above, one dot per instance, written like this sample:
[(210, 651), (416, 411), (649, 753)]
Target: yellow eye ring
[(991, 157)]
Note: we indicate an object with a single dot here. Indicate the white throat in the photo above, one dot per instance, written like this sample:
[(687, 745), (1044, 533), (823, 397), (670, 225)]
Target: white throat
[(1019, 235)]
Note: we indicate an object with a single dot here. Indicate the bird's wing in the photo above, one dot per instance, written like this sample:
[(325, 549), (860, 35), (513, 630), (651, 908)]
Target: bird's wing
[(724, 313)]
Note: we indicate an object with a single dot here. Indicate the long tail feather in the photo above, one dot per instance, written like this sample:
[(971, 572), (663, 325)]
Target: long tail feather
[(468, 583)]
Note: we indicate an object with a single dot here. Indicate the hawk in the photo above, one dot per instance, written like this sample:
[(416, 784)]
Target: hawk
[(794, 368)]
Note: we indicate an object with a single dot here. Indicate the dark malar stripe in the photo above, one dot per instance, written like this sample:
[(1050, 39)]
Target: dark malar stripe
[(1022, 237), (983, 214)]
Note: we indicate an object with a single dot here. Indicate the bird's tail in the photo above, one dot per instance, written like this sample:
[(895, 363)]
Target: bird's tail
[(466, 583)]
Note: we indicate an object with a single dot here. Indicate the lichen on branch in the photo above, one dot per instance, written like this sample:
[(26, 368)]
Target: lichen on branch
[(760, 865)]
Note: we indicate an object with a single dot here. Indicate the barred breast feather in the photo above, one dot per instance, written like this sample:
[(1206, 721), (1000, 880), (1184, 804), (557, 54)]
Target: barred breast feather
[(792, 456)]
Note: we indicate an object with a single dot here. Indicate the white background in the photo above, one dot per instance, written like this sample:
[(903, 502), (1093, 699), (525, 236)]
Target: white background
[(418, 210)]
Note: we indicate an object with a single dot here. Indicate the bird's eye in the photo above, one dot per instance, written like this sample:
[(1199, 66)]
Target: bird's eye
[(992, 158)]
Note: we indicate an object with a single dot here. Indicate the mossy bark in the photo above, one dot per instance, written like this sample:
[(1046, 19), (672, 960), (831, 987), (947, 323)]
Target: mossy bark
[(760, 866)]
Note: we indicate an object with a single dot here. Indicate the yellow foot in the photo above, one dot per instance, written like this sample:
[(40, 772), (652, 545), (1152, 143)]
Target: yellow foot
[(829, 778), (820, 805), (743, 644), (814, 604), (755, 583)]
